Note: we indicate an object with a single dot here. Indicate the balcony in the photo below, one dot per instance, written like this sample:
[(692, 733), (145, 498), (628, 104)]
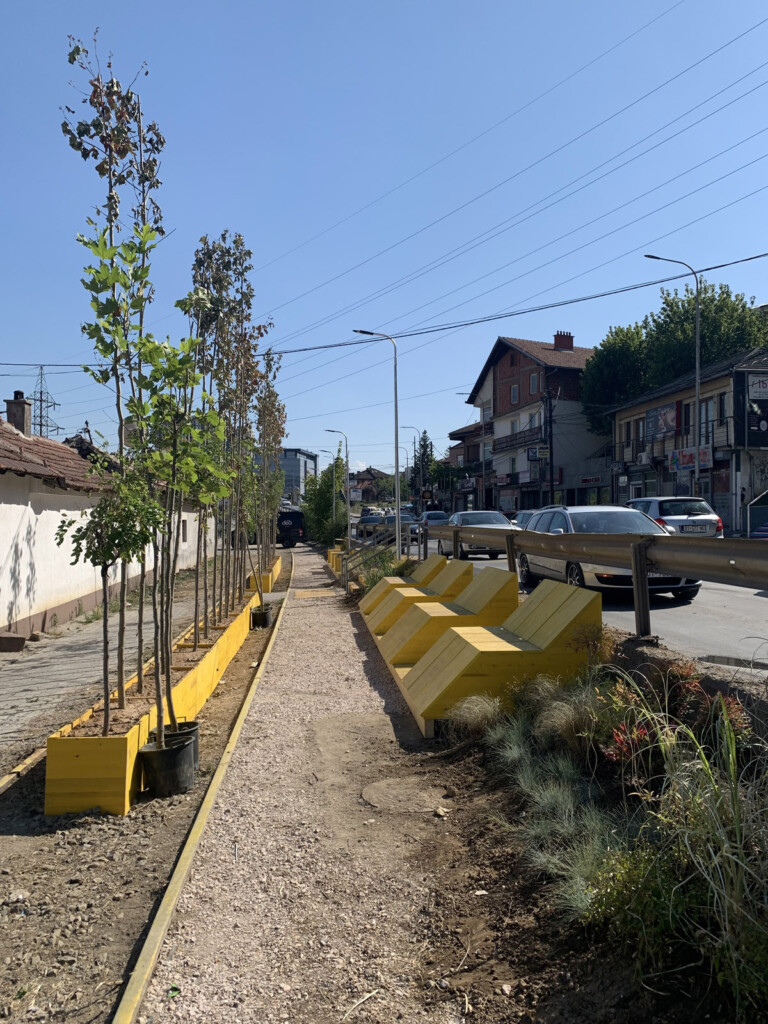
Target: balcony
[(519, 440)]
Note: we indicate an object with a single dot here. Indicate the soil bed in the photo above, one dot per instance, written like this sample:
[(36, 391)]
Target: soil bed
[(77, 892)]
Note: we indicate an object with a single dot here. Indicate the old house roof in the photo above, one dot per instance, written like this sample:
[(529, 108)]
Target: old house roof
[(542, 352), (60, 465), (461, 433)]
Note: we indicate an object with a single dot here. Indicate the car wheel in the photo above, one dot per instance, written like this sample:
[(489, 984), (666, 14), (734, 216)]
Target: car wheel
[(462, 553), (524, 574), (573, 575), (493, 555), (441, 551), (686, 594)]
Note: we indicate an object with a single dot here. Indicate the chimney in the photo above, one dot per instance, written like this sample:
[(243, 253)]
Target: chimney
[(18, 412), (564, 341)]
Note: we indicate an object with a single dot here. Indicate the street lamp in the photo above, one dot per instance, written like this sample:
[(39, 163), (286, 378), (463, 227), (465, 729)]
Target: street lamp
[(378, 334), (333, 457), (697, 412), (346, 489)]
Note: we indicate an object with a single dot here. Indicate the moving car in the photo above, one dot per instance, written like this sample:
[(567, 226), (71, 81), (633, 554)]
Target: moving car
[(562, 519), (687, 517), (426, 518), (369, 521), (521, 518), (488, 520)]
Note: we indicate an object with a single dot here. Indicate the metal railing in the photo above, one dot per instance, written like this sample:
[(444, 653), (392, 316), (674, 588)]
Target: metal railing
[(376, 540), (733, 561)]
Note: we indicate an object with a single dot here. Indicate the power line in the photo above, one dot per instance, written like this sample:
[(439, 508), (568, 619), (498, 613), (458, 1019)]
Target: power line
[(469, 142), (375, 405), (505, 181), (531, 211)]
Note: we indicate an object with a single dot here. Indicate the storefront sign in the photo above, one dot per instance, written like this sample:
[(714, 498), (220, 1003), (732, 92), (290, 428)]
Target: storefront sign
[(467, 484), (617, 467), (623, 481), (502, 480), (681, 460), (586, 480)]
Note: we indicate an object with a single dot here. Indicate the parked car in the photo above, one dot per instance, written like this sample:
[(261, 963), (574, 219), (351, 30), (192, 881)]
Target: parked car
[(594, 519), (486, 519), (290, 527), (368, 521), (688, 517), (426, 518)]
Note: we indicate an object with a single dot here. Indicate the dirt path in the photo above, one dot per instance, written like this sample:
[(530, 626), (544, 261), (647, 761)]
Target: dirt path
[(309, 887)]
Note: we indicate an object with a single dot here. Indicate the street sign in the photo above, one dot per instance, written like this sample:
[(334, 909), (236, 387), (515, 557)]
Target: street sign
[(533, 454), (541, 451), (426, 495)]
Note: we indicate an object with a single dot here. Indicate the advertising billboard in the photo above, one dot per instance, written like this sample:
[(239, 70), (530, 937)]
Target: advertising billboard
[(661, 420)]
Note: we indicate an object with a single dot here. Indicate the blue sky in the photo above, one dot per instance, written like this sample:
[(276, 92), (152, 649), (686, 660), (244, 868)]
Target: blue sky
[(288, 122)]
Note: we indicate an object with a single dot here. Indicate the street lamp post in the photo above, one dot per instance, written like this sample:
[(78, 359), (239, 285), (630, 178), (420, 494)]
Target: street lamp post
[(697, 400), (378, 334), (346, 489)]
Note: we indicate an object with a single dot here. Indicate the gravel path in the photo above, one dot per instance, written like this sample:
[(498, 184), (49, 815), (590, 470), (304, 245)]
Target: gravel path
[(304, 898)]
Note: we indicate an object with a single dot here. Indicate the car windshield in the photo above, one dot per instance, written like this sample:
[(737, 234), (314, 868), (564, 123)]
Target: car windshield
[(404, 518), (684, 507), (617, 520), (483, 519), (436, 517)]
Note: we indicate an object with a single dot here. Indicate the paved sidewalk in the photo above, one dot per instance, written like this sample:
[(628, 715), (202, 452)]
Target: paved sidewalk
[(305, 899)]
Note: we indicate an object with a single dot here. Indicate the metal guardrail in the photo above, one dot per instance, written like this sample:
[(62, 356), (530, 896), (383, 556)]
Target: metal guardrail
[(732, 561), (377, 539)]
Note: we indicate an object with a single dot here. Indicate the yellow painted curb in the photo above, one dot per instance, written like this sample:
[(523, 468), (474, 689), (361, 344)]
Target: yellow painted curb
[(130, 1003)]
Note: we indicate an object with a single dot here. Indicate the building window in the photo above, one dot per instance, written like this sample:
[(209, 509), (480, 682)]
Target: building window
[(628, 432), (460, 461), (183, 531), (534, 419), (511, 358), (514, 394), (534, 383), (514, 426), (687, 418), (721, 409), (640, 430)]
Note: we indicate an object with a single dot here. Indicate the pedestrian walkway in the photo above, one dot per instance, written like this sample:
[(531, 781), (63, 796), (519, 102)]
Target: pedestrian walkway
[(305, 897)]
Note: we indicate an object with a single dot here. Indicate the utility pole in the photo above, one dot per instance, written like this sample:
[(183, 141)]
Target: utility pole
[(550, 434)]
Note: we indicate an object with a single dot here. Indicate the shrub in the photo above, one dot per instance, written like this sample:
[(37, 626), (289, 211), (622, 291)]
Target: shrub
[(473, 716)]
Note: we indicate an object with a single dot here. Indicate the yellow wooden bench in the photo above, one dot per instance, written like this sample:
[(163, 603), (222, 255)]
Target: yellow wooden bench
[(446, 586), (488, 600), (421, 576), (547, 634)]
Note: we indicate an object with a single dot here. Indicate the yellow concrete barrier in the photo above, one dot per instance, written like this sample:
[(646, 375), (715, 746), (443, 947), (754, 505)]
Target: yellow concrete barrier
[(84, 772), (488, 600), (446, 586), (421, 576), (547, 634)]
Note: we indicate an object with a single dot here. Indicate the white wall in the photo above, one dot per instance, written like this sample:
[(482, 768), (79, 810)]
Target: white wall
[(36, 575)]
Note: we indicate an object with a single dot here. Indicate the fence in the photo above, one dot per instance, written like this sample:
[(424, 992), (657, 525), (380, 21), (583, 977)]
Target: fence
[(732, 561), (375, 541)]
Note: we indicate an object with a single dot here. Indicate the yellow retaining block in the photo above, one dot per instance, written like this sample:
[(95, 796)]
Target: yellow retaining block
[(446, 586), (489, 599), (546, 634), (83, 772), (421, 576)]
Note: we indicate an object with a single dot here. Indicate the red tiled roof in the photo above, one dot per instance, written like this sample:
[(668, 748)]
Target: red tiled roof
[(546, 353), (57, 464)]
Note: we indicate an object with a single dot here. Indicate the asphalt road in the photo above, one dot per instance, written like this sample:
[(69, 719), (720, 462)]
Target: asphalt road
[(727, 625)]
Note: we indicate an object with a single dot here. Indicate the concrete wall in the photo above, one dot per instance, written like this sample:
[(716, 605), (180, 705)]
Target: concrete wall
[(37, 579)]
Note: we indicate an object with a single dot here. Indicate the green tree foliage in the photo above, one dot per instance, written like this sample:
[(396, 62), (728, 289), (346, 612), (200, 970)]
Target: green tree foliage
[(424, 470), (318, 503), (635, 359)]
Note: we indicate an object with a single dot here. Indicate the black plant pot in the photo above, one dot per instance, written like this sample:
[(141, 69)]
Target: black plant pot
[(169, 771), (261, 617), (185, 729)]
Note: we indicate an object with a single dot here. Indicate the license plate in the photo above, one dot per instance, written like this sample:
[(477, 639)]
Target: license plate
[(694, 529)]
